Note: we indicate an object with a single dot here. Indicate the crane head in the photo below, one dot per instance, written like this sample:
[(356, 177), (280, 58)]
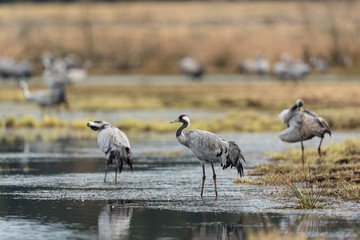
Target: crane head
[(97, 125), (182, 118), (299, 103), (22, 84)]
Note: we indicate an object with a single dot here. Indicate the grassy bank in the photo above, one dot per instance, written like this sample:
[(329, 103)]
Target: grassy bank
[(260, 95), (249, 106), (335, 174), (149, 37), (247, 121)]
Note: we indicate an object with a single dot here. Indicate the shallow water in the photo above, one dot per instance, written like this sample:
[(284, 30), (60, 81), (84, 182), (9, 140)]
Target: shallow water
[(55, 190)]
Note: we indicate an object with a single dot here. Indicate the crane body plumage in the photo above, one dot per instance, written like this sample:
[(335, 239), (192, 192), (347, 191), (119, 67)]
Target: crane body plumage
[(302, 125), (114, 144), (209, 148)]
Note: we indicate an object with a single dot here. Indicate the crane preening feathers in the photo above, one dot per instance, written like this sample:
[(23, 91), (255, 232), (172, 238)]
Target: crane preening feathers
[(302, 124), (114, 143), (209, 148)]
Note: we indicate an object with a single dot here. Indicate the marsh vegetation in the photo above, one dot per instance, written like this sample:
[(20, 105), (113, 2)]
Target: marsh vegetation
[(248, 106), (336, 174)]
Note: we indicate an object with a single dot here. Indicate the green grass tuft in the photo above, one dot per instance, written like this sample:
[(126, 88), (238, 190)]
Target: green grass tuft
[(10, 122), (51, 122), (26, 122)]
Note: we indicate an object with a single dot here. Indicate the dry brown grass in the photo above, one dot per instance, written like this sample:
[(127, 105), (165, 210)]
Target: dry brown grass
[(150, 37), (336, 173)]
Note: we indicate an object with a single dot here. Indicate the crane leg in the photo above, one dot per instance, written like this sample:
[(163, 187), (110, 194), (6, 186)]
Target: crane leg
[(106, 169), (214, 177), (319, 148), (302, 155), (116, 170), (203, 181)]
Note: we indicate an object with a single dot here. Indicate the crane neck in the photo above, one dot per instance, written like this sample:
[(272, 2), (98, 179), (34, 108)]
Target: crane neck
[(26, 91), (179, 132)]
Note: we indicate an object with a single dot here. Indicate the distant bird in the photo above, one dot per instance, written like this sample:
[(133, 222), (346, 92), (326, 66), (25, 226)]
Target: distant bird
[(287, 68), (320, 64), (259, 65), (191, 68), (302, 125), (114, 143), (209, 148), (299, 70), (10, 68), (78, 74), (43, 98), (66, 70)]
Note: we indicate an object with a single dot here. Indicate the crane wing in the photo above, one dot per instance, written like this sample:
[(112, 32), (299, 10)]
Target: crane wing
[(206, 146), (304, 125), (314, 125), (111, 138)]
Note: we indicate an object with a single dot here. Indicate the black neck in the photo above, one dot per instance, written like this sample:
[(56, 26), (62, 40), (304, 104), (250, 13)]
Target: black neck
[(179, 131), (294, 107)]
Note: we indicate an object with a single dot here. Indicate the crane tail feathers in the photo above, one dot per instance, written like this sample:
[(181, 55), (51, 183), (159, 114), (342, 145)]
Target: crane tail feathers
[(121, 155), (234, 158)]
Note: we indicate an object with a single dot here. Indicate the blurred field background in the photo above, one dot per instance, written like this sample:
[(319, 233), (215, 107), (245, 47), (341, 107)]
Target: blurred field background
[(150, 37)]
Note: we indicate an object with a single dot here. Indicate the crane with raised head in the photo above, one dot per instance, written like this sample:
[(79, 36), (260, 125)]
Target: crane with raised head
[(209, 148)]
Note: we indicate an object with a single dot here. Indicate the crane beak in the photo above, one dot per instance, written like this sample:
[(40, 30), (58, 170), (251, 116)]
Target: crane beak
[(175, 121)]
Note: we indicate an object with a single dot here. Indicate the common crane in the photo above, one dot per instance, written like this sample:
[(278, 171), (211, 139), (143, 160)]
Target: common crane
[(209, 148), (44, 98), (66, 70), (191, 68), (302, 124), (114, 143), (258, 65), (10, 68), (287, 68)]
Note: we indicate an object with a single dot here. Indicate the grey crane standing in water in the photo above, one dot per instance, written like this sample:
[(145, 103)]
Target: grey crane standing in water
[(191, 68), (114, 143), (209, 148), (44, 98), (302, 124)]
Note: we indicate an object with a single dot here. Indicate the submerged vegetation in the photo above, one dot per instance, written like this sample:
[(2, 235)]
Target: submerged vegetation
[(335, 174)]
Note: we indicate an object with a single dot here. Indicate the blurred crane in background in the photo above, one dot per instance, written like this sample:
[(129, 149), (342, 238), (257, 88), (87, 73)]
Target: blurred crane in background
[(288, 69), (11, 69), (43, 98), (191, 68), (302, 124), (67, 70), (259, 65)]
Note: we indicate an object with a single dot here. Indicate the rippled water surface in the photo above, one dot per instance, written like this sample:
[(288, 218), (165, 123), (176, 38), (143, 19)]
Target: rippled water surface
[(55, 190)]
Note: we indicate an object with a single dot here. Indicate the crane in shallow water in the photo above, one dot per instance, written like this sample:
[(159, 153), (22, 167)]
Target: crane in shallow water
[(209, 148), (44, 98), (302, 125), (114, 143)]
